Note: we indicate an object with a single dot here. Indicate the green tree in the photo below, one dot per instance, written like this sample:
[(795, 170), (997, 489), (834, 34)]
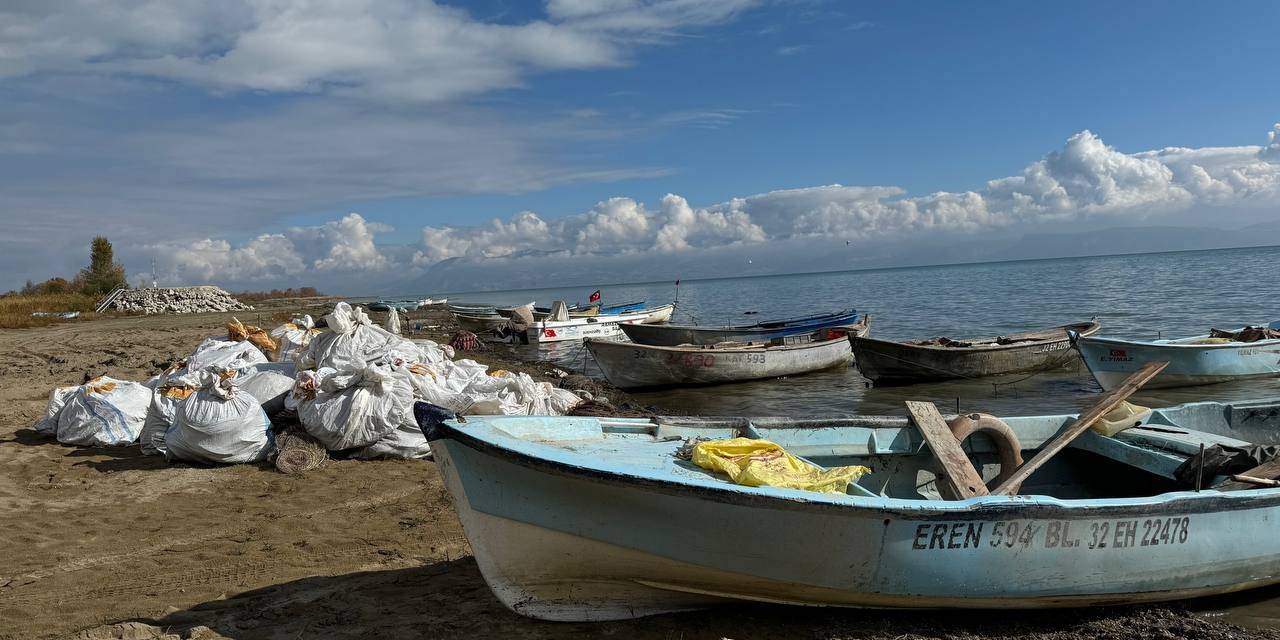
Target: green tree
[(103, 273)]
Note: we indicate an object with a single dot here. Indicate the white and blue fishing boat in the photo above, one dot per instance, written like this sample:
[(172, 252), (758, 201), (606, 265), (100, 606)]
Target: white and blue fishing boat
[(576, 518), (1220, 356)]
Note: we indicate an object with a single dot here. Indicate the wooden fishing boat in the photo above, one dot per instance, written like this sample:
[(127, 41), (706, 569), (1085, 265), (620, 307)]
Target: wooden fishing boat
[(575, 518), (1221, 356), (625, 307), (889, 363), (628, 365), (670, 335), (507, 312), (656, 315), (478, 308), (485, 327)]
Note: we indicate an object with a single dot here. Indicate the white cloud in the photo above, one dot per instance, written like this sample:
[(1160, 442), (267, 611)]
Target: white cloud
[(393, 50), (344, 246), (1084, 180)]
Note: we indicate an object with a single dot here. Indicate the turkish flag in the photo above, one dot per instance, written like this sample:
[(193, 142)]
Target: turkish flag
[(595, 297)]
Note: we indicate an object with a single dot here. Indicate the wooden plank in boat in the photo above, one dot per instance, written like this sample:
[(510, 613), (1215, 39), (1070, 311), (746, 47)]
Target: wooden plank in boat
[(1265, 471), (958, 472), (1106, 404)]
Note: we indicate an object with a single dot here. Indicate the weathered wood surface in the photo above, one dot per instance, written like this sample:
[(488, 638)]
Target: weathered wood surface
[(959, 476), (1265, 471), (890, 363), (1106, 404)]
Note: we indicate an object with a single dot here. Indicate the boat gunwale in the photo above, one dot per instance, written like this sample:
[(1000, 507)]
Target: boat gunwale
[(1091, 328), (1180, 345), (743, 348), (760, 326), (978, 508)]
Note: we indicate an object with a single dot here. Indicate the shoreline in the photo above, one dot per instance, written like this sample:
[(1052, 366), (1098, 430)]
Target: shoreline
[(107, 542)]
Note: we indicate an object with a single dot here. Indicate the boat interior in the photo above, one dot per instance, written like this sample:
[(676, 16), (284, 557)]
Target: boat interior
[(820, 335), (1042, 335), (1141, 459)]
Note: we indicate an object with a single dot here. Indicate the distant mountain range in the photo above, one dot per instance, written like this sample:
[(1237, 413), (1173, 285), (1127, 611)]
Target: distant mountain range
[(536, 269)]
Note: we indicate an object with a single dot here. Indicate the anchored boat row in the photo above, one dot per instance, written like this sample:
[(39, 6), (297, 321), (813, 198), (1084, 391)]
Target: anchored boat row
[(655, 353)]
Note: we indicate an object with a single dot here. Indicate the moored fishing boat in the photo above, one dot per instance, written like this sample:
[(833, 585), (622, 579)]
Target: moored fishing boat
[(432, 302), (888, 363), (1220, 356), (628, 365), (579, 518), (387, 305), (672, 335), (485, 327), (549, 330), (479, 308)]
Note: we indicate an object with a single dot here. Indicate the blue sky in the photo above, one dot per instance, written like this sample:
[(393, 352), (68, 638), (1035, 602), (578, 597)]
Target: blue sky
[(927, 96), (202, 132)]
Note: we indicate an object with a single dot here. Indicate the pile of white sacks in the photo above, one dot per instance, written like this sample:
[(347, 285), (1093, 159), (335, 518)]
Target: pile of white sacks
[(352, 386)]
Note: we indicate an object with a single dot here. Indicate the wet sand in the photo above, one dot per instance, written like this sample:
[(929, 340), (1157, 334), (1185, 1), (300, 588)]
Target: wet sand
[(106, 543)]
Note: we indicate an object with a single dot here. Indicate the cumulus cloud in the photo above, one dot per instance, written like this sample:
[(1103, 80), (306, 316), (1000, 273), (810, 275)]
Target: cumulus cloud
[(343, 246), (397, 50), (1085, 179)]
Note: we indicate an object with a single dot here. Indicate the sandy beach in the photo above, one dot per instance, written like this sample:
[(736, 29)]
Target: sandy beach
[(107, 543)]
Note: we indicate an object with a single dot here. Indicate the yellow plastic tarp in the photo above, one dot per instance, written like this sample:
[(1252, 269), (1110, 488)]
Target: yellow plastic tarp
[(760, 463)]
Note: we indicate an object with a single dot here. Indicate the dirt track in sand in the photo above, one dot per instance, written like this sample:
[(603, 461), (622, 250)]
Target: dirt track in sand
[(91, 538)]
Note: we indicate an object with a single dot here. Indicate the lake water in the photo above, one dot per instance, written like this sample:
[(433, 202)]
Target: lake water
[(1133, 296), (1136, 296)]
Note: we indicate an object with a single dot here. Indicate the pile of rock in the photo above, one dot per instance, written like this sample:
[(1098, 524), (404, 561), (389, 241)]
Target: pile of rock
[(177, 300)]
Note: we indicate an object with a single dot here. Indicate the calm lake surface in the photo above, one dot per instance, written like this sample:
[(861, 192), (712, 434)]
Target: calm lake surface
[(1136, 296)]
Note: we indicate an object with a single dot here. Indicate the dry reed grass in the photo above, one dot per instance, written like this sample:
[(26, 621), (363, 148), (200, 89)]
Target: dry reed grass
[(16, 310)]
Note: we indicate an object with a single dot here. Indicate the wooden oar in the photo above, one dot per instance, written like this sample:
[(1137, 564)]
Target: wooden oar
[(959, 476), (1106, 404)]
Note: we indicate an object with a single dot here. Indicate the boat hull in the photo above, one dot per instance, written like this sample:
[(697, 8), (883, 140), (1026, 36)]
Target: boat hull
[(627, 365), (559, 542), (671, 336), (1111, 361), (889, 363)]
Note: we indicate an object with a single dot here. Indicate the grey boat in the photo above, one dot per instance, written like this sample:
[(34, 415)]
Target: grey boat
[(628, 365), (890, 363)]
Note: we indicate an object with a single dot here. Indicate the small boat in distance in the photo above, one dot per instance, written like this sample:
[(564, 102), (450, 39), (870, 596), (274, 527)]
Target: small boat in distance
[(890, 363), (671, 335), (480, 308), (387, 305), (1220, 356), (432, 302), (589, 519), (627, 365)]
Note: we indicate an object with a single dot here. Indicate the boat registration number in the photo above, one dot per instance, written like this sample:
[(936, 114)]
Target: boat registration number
[(699, 360), (1054, 534)]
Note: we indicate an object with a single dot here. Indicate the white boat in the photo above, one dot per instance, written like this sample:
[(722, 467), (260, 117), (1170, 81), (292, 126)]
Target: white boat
[(577, 519), (628, 365), (559, 327), (1219, 356), (657, 315), (432, 302)]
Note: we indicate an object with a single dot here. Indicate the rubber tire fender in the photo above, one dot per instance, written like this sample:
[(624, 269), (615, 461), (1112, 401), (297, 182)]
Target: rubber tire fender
[(1007, 445)]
